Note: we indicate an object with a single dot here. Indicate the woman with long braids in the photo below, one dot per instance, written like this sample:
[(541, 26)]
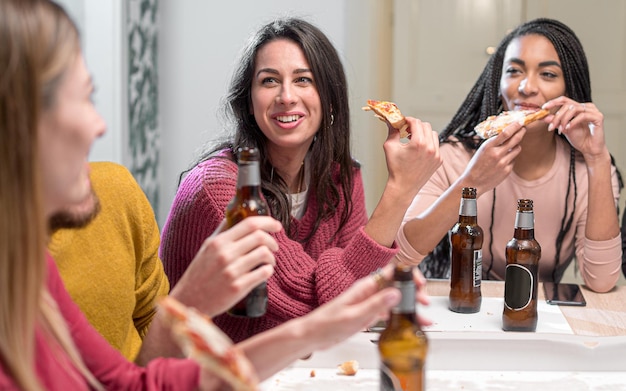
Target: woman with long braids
[(289, 98), (561, 162)]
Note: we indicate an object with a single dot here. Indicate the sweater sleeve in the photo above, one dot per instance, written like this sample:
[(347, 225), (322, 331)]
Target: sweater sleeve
[(599, 261), (197, 210), (111, 369)]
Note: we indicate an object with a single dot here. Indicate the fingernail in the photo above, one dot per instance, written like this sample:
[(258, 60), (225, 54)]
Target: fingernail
[(567, 126), (560, 129), (550, 127)]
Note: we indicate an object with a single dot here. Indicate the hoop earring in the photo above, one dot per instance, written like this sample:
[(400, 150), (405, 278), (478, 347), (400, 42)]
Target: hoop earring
[(332, 120)]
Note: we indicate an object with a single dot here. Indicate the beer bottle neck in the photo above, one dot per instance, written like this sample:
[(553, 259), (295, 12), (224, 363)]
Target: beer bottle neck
[(524, 225), (467, 210), (249, 175), (405, 309)]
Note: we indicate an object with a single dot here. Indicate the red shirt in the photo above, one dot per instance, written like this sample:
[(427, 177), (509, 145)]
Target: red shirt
[(112, 370)]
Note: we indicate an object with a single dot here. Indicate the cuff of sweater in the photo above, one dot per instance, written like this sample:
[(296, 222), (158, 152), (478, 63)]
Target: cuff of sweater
[(364, 247), (377, 252), (407, 255), (603, 249), (602, 263)]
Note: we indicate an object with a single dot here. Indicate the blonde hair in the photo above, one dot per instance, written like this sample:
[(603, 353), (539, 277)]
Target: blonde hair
[(38, 43)]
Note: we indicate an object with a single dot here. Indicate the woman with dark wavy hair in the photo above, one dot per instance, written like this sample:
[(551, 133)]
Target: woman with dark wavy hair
[(561, 162), (289, 98)]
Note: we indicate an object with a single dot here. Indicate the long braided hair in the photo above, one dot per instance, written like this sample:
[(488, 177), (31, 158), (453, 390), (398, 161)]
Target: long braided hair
[(484, 100)]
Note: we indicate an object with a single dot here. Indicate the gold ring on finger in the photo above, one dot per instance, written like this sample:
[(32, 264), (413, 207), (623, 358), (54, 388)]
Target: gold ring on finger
[(379, 279)]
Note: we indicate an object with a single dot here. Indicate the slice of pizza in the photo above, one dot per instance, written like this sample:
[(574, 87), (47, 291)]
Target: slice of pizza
[(201, 340), (495, 124), (390, 113)]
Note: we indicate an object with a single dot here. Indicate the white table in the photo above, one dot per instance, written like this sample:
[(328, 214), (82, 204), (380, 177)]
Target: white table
[(574, 348)]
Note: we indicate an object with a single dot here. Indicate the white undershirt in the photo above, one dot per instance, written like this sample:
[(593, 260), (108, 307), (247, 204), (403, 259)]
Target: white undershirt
[(298, 204), (298, 200)]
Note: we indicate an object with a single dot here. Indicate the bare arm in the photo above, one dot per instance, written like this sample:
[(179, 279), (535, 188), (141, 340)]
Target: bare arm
[(602, 219), (410, 166)]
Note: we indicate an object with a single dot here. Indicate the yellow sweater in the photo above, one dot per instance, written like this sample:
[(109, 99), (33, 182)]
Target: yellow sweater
[(111, 268)]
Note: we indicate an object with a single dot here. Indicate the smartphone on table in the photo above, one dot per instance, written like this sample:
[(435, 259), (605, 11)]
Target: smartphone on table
[(563, 294)]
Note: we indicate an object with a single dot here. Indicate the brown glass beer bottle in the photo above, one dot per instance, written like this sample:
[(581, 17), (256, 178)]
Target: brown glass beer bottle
[(466, 239), (403, 344), (248, 202), (520, 280)]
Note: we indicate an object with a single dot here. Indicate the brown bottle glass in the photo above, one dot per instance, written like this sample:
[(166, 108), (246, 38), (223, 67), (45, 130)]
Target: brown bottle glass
[(403, 345), (466, 239), (520, 280), (248, 202)]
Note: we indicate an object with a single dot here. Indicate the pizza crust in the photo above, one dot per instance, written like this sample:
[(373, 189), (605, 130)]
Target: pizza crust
[(348, 368), (202, 341), (390, 113), (495, 124)]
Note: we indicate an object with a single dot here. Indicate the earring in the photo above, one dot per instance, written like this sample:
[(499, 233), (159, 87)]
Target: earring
[(315, 137), (332, 120)]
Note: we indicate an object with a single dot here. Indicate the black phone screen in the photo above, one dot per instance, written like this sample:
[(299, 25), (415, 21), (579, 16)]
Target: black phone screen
[(563, 294)]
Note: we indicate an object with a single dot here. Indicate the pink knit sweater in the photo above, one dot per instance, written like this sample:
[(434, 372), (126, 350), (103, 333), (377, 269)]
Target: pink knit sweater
[(306, 275), (598, 261)]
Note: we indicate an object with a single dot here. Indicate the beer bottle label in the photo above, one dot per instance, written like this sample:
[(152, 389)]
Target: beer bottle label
[(249, 175), (518, 287), (388, 380), (407, 302), (525, 220), (478, 267), (467, 207)]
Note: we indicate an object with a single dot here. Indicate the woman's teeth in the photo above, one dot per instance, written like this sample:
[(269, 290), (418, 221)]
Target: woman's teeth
[(287, 118)]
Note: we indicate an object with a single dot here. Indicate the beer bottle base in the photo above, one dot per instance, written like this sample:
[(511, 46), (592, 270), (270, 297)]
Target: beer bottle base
[(464, 310), (520, 328)]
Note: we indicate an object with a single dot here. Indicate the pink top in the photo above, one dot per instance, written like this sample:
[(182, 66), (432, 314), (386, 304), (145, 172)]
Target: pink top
[(306, 275), (598, 261), (112, 370)]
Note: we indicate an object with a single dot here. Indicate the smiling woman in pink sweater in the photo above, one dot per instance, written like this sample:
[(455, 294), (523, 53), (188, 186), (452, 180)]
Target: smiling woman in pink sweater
[(289, 99), (562, 163)]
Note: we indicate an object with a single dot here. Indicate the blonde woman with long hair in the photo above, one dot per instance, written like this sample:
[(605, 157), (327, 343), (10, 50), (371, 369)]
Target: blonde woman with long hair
[(48, 124)]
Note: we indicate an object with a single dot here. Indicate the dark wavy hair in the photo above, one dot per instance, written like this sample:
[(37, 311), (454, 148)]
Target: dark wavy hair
[(484, 100), (331, 147)]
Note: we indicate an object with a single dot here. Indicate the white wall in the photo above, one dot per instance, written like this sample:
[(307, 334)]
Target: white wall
[(101, 27), (199, 43)]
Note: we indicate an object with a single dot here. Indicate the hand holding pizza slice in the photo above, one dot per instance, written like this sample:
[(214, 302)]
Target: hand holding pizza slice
[(495, 124), (389, 113), (201, 340)]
